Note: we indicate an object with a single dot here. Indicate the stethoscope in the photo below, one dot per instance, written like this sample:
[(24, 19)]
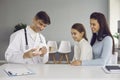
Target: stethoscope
[(26, 40)]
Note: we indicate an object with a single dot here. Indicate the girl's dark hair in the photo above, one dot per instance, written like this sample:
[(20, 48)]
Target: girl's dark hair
[(104, 29), (79, 27), (42, 15)]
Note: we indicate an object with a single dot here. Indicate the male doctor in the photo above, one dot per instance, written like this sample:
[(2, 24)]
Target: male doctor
[(29, 45)]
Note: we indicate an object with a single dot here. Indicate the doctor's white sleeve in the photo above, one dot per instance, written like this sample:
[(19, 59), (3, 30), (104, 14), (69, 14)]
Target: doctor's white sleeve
[(14, 54), (45, 58)]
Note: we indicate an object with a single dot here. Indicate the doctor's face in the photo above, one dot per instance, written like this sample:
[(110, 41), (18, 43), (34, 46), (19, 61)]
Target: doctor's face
[(39, 25)]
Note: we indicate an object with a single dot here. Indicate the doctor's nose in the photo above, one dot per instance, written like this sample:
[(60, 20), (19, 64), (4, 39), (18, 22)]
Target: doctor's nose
[(42, 27)]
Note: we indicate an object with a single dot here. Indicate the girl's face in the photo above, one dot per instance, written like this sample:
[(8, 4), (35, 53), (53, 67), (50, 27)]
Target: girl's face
[(76, 35), (38, 25), (94, 25)]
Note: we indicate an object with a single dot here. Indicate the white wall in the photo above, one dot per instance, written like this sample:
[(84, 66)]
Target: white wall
[(63, 13), (114, 13)]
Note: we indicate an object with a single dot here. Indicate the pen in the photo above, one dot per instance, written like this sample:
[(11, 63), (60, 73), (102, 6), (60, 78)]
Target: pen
[(9, 73)]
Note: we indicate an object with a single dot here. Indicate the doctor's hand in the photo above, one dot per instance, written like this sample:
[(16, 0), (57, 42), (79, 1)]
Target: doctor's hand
[(30, 54), (40, 51), (43, 51), (76, 63)]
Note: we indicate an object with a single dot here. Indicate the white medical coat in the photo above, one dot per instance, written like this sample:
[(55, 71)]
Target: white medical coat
[(17, 47)]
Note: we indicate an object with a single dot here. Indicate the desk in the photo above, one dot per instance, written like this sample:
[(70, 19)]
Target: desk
[(60, 72)]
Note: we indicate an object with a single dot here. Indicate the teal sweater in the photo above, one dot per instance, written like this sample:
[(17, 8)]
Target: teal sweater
[(102, 52)]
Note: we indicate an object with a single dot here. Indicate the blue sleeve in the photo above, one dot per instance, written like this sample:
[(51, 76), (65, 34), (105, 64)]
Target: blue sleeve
[(106, 53)]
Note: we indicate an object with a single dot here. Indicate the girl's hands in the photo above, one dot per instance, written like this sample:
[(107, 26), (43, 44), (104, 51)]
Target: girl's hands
[(76, 63)]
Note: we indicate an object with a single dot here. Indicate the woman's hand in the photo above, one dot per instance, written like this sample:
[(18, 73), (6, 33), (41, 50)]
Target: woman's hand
[(76, 63)]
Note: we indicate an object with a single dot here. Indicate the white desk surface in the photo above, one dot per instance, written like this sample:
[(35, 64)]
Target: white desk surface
[(60, 72)]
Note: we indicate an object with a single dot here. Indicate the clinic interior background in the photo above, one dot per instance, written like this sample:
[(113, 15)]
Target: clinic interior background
[(63, 14)]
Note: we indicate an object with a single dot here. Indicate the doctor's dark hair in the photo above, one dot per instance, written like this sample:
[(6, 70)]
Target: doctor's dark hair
[(104, 29), (80, 28), (42, 15)]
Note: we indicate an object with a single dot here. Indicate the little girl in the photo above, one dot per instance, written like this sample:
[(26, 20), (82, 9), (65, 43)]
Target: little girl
[(82, 49)]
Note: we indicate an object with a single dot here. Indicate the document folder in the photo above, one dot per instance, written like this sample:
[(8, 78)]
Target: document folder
[(18, 71)]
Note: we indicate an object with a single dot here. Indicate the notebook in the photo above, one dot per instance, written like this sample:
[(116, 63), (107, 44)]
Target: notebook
[(112, 68), (19, 71)]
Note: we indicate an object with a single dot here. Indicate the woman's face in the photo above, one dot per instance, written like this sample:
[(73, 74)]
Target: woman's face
[(76, 35), (94, 25)]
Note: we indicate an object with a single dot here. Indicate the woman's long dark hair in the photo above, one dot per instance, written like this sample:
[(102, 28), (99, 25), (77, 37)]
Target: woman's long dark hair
[(104, 29), (80, 28)]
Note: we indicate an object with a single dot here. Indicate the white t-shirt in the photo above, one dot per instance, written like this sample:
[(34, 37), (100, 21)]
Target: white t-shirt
[(82, 50)]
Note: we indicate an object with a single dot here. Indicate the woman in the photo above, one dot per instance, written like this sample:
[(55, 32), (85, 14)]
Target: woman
[(102, 41), (79, 35)]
